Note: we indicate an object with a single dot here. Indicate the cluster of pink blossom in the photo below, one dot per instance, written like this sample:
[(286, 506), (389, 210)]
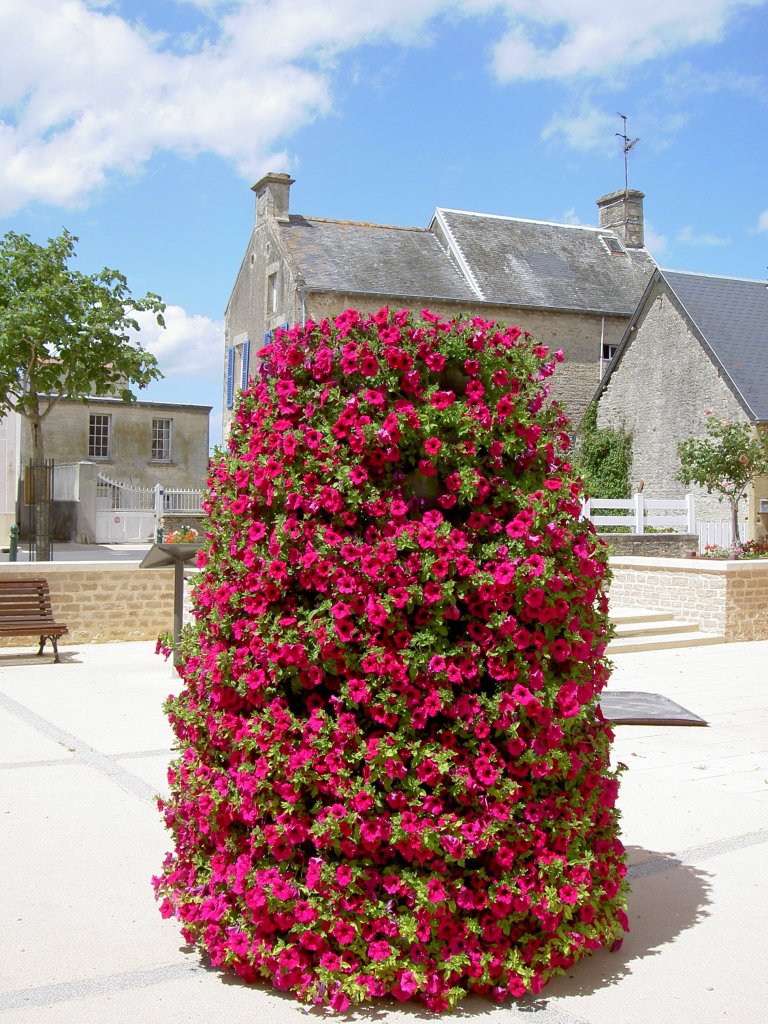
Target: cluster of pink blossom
[(393, 778)]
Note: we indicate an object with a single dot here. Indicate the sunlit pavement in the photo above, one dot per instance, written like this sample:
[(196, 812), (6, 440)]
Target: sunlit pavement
[(83, 750)]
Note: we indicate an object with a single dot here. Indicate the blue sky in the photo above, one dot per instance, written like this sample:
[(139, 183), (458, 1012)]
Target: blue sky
[(140, 125)]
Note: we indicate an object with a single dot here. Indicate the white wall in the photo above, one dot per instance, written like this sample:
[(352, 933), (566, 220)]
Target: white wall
[(10, 439)]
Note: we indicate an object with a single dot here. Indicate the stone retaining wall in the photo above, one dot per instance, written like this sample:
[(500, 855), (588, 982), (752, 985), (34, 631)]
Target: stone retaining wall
[(652, 545), (101, 601), (728, 597)]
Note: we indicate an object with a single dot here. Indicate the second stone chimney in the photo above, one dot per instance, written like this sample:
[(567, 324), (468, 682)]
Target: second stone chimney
[(622, 212), (272, 196)]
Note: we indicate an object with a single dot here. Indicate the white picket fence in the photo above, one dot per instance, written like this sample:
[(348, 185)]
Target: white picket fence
[(127, 513), (718, 534), (638, 513), (177, 499)]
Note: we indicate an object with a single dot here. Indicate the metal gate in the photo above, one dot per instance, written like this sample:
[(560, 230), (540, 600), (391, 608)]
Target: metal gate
[(125, 513), (38, 498)]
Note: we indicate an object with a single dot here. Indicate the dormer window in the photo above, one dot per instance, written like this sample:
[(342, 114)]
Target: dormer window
[(613, 245)]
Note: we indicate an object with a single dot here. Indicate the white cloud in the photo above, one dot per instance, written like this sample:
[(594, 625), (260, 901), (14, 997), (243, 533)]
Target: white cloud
[(571, 217), (762, 221), (86, 93), (587, 129), (687, 80), (656, 243), (592, 38), (191, 345), (688, 236)]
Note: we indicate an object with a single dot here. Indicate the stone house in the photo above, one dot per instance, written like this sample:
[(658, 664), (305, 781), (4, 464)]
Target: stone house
[(573, 287), (695, 343), (140, 444)]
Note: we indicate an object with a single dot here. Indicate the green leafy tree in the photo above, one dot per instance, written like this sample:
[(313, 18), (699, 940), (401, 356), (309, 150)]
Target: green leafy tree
[(725, 462), (603, 458), (64, 334)]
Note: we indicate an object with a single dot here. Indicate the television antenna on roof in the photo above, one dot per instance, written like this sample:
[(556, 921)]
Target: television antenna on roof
[(628, 144)]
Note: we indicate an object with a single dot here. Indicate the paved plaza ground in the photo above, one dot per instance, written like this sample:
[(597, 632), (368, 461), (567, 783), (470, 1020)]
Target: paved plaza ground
[(82, 552), (83, 750)]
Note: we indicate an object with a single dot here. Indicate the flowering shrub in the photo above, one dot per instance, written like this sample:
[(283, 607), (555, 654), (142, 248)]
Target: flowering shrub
[(725, 462), (184, 535), (393, 777), (717, 551), (752, 548), (746, 549)]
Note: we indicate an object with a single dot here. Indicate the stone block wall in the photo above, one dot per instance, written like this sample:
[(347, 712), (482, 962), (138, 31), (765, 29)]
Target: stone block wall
[(652, 545), (659, 394), (101, 601), (130, 447), (747, 605), (727, 597)]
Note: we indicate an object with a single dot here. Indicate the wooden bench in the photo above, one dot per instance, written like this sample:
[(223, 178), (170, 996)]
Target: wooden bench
[(25, 610)]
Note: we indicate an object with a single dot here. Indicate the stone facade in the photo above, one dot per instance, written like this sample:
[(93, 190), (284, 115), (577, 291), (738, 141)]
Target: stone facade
[(726, 597), (652, 545), (10, 468), (101, 601), (659, 393), (130, 459)]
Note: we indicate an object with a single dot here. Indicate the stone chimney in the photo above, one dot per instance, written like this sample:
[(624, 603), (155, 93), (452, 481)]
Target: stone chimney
[(622, 212), (272, 196)]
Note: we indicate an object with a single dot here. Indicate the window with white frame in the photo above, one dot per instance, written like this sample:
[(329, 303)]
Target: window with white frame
[(607, 352), (161, 440), (98, 436), (272, 293)]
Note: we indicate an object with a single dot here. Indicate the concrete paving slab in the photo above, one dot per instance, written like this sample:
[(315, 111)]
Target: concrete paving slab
[(22, 742), (108, 704), (77, 855), (150, 766), (63, 552), (684, 814)]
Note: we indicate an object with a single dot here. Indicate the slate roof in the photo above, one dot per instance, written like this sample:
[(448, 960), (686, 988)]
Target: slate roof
[(556, 266), (731, 316), (345, 256), (471, 258)]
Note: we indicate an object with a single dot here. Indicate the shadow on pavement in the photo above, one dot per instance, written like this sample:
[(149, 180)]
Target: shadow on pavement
[(9, 659), (667, 898)]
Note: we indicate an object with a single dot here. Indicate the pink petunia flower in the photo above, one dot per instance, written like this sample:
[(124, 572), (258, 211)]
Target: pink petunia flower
[(379, 950)]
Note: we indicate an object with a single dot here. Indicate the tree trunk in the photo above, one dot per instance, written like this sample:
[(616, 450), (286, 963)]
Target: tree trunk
[(38, 442), (735, 521), (42, 483)]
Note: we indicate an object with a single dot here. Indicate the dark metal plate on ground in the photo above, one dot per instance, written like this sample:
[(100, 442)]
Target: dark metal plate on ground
[(632, 707)]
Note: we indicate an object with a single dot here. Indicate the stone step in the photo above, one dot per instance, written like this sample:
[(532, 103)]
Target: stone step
[(646, 629), (654, 627), (662, 642), (622, 615)]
